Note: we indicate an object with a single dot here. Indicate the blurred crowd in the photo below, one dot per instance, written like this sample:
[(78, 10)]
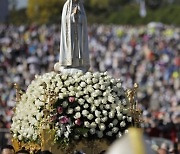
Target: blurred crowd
[(148, 55)]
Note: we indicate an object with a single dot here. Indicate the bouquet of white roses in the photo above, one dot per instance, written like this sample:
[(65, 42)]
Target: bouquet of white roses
[(90, 105)]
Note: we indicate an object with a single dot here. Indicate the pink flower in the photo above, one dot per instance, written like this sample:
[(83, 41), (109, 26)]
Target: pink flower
[(78, 122), (60, 110), (64, 120), (71, 99)]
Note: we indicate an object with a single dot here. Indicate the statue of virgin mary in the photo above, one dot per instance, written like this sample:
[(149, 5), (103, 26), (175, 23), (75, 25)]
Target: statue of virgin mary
[(74, 53)]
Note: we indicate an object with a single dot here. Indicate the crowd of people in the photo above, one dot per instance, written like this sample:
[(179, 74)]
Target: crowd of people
[(147, 55)]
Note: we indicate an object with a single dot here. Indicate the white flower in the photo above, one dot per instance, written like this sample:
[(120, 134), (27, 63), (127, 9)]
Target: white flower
[(83, 84), (86, 106), (79, 88), (64, 76), (98, 120), (109, 133), (104, 100), (70, 111), (85, 91), (92, 131), (115, 122), (101, 107), (120, 116), (115, 130), (71, 88), (104, 112), (77, 108), (122, 124), (56, 90), (72, 93), (107, 106), (38, 116), (61, 96), (111, 98), (77, 80), (100, 134), (110, 125), (96, 74), (126, 131), (34, 137), (90, 100), (87, 124), (97, 113), (85, 112), (90, 116), (119, 135), (93, 125), (67, 83), (111, 114), (78, 95), (96, 86), (96, 102), (77, 115), (102, 87), (102, 127), (119, 85), (89, 81), (66, 134), (124, 102), (104, 119), (93, 108), (94, 80), (81, 101), (129, 119), (124, 117), (85, 135), (65, 104), (20, 137), (76, 137), (125, 111)]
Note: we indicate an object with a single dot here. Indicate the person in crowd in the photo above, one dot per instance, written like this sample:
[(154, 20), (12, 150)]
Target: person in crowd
[(7, 149), (23, 151), (149, 57)]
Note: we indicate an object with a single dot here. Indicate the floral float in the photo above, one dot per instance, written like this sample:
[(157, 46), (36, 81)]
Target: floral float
[(73, 107)]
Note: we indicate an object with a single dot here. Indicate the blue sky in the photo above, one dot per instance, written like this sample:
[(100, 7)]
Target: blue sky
[(22, 3)]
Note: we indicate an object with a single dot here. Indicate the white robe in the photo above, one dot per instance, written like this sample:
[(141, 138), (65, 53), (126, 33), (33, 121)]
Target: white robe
[(74, 51)]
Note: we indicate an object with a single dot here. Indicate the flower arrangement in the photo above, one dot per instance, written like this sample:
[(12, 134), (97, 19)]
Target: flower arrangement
[(90, 105)]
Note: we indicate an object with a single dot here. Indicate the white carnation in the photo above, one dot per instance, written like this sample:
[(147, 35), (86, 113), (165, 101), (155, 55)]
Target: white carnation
[(81, 101), (97, 113), (123, 124), (102, 127), (115, 130), (77, 115), (104, 119), (93, 108), (100, 134), (104, 112), (86, 106), (90, 117), (109, 133), (92, 131), (129, 119), (85, 112), (98, 120), (77, 108), (69, 111), (83, 84), (87, 124)]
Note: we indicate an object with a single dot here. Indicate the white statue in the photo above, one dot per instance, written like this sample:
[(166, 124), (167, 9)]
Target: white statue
[(74, 53)]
